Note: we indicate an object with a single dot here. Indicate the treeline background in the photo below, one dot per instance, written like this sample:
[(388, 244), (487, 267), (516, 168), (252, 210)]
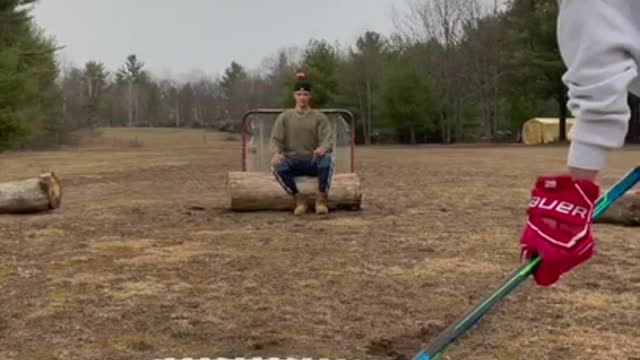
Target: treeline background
[(454, 71)]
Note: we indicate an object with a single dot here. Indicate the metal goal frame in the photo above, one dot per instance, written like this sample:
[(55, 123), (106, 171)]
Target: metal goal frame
[(345, 114)]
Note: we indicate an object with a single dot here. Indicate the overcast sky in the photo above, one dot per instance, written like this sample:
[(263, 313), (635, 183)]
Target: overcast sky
[(177, 36)]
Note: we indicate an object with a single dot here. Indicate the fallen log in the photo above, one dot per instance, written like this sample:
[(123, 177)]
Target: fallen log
[(625, 211), (256, 191), (31, 195)]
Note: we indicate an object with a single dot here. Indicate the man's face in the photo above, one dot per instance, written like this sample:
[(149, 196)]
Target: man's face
[(302, 98)]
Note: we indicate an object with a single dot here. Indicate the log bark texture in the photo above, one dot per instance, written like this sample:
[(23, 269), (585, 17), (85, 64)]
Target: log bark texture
[(625, 211), (33, 195), (257, 191)]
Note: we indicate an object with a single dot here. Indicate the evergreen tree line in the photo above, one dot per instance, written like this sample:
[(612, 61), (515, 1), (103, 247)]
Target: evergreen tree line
[(454, 71)]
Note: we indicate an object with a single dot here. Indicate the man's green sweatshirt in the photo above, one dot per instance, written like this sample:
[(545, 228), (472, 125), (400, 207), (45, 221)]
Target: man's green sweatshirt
[(297, 134)]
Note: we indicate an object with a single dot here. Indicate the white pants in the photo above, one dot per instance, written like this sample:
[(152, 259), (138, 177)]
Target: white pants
[(599, 41)]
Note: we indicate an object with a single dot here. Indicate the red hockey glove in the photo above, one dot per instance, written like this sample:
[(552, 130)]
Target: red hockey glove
[(559, 226)]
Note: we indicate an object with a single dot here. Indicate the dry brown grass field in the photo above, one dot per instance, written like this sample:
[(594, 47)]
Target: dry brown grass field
[(143, 260)]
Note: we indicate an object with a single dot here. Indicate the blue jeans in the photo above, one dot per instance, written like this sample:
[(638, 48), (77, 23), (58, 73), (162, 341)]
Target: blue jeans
[(322, 168)]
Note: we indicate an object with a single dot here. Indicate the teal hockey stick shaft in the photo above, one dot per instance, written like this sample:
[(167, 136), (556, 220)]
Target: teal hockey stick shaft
[(434, 350)]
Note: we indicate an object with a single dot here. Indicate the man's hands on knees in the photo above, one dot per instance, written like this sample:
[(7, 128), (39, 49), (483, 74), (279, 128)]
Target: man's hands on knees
[(559, 225), (320, 151), (277, 159)]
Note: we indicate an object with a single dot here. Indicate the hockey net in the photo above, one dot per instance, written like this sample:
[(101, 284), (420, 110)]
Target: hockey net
[(256, 133)]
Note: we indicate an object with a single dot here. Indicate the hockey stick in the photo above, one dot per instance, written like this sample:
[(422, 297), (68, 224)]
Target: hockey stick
[(434, 350)]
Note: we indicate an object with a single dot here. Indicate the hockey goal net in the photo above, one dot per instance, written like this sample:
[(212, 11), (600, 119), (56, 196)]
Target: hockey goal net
[(256, 133)]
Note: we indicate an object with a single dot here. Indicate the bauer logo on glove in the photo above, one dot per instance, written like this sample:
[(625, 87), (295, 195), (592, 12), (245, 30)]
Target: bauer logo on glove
[(562, 207), (559, 225)]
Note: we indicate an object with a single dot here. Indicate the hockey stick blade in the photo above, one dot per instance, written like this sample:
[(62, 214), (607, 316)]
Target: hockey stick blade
[(434, 350)]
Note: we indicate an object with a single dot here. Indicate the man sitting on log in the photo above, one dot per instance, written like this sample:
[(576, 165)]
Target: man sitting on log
[(301, 143)]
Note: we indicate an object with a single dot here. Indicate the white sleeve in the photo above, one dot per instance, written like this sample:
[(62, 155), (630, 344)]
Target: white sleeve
[(596, 40)]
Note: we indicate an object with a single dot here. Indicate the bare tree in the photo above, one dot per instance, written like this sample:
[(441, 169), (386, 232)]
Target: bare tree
[(439, 20), (367, 62), (95, 80), (131, 72), (443, 25), (279, 70), (483, 62)]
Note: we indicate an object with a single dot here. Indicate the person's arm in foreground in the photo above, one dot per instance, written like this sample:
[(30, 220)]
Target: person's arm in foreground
[(592, 37)]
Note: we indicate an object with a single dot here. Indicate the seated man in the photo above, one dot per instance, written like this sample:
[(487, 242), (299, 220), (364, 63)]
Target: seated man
[(300, 141)]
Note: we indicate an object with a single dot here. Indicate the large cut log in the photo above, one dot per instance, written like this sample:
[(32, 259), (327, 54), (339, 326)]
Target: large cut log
[(256, 191), (625, 211), (31, 195)]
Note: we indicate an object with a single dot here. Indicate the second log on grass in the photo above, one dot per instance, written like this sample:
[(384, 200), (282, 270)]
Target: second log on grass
[(258, 191), (625, 211)]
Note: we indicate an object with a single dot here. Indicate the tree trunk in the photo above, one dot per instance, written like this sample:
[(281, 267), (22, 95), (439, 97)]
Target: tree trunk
[(562, 136), (365, 133), (494, 119), (459, 123), (255, 191), (449, 120), (136, 108), (412, 135), (90, 100), (368, 141), (633, 134), (130, 103), (488, 126), (625, 211), (31, 195), (443, 127), (177, 113)]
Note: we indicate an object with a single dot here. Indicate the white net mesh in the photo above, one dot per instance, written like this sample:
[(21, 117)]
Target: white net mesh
[(258, 133)]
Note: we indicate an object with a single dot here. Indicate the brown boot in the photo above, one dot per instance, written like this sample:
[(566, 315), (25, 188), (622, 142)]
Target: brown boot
[(322, 203), (301, 204)]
